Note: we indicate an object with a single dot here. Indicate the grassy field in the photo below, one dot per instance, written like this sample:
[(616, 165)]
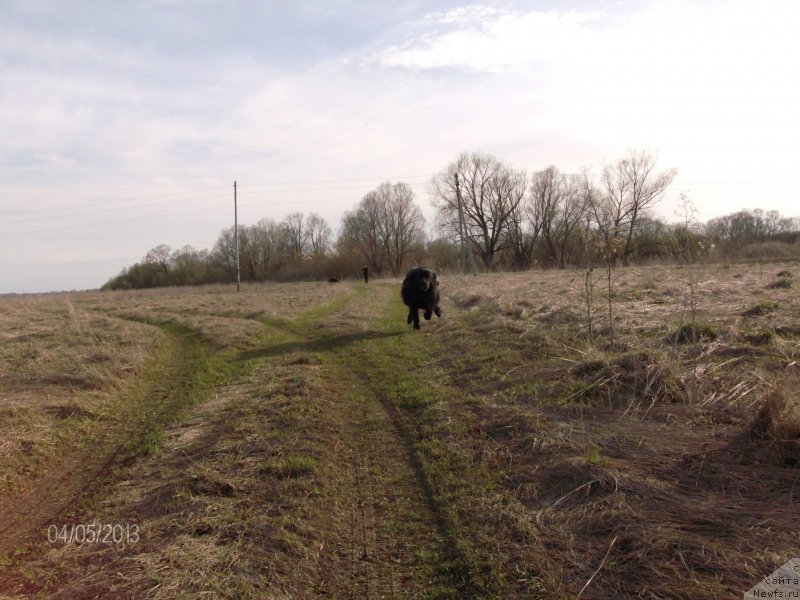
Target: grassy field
[(301, 441)]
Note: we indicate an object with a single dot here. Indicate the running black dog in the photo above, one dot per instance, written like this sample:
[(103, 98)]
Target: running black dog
[(420, 291)]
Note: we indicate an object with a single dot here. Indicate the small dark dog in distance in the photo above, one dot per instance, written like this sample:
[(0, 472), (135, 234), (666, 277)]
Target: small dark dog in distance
[(333, 280), (420, 291)]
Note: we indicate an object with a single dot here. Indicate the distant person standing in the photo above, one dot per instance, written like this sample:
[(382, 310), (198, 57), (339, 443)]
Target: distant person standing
[(365, 271)]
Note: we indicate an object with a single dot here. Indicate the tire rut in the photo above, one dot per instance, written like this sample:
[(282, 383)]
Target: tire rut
[(394, 539), (89, 469), (384, 537)]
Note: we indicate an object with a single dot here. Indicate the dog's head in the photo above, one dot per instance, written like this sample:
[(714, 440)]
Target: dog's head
[(424, 279)]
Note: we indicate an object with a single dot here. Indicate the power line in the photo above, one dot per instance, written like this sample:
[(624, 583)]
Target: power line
[(300, 202), (724, 184), (136, 198), (177, 213), (340, 180), (261, 193), (293, 190), (720, 183), (121, 200), (325, 189), (187, 212), (109, 210)]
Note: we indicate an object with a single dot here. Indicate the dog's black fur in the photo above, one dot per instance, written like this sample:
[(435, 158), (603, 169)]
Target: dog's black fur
[(333, 280), (420, 291)]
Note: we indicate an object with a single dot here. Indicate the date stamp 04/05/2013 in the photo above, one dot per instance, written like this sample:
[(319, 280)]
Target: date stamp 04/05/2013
[(94, 533)]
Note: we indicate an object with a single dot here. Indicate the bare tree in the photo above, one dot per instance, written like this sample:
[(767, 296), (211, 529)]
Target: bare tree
[(159, 258), (249, 258), (557, 207), (788, 225), (384, 226), (361, 230), (260, 248), (772, 221), (631, 187), (545, 197), (319, 235), (571, 214), (492, 193), (189, 265), (533, 216), (523, 235), (295, 235), (401, 223), (224, 252)]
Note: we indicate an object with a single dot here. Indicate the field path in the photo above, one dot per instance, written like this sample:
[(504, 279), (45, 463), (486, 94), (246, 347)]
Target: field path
[(302, 442), (295, 479), (391, 539), (73, 478)]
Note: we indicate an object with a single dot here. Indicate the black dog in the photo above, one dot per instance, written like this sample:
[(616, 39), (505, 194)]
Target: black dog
[(421, 292)]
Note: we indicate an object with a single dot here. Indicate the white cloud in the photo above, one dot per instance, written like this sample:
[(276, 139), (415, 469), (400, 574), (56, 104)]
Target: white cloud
[(707, 85), (485, 39)]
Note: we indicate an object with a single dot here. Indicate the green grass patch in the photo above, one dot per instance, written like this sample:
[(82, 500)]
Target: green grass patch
[(398, 365), (593, 457), (183, 373)]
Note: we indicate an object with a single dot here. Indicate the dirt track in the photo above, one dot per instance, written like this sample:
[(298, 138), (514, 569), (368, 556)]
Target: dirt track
[(373, 533), (75, 477), (334, 453)]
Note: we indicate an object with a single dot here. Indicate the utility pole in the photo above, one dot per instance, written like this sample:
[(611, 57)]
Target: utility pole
[(236, 233), (462, 226)]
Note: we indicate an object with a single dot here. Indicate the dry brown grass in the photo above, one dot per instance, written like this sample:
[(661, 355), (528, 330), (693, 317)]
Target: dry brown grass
[(217, 313), (62, 356), (776, 425), (223, 509), (656, 457), (59, 368), (264, 491), (529, 457), (256, 300)]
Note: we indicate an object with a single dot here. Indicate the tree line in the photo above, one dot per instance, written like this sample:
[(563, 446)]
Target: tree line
[(512, 220), (385, 232)]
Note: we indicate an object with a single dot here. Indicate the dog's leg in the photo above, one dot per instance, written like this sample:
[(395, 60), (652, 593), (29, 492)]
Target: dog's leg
[(416, 318), (437, 311), (427, 315)]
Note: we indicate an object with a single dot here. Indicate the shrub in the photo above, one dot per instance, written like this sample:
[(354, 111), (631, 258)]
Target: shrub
[(767, 250)]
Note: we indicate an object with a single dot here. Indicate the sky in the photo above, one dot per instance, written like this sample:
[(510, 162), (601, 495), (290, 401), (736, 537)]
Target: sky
[(124, 124)]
